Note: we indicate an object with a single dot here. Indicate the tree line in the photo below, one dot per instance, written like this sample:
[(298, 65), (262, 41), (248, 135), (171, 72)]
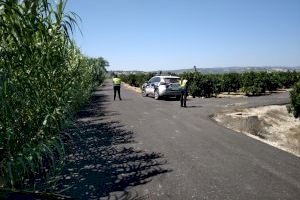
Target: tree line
[(137, 79), (44, 78), (250, 83)]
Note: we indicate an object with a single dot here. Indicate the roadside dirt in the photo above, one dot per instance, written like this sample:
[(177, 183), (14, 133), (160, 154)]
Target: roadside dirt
[(242, 94), (136, 89), (270, 124)]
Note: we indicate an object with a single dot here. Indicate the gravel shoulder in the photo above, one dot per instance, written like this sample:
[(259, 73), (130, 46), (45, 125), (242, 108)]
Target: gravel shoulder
[(270, 124)]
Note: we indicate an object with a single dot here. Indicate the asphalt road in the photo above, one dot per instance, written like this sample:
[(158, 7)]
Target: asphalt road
[(192, 156)]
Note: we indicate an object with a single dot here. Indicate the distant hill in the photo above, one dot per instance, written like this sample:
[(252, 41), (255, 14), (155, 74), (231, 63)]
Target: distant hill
[(218, 70)]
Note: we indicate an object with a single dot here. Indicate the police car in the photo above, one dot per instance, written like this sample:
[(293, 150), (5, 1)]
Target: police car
[(162, 86)]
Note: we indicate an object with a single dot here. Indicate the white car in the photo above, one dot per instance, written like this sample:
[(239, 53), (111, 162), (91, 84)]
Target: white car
[(162, 86)]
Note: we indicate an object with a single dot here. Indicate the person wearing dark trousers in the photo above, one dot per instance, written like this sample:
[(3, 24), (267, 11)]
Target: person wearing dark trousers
[(184, 92), (117, 86)]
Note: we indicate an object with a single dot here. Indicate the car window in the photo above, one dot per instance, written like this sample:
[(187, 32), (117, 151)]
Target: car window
[(157, 79), (171, 80), (152, 80)]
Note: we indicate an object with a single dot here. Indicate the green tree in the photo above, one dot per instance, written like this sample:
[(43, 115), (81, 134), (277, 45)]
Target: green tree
[(230, 82), (252, 83), (272, 81), (288, 79), (295, 100), (136, 80)]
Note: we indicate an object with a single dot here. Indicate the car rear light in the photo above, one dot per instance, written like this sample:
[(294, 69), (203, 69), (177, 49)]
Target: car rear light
[(162, 83)]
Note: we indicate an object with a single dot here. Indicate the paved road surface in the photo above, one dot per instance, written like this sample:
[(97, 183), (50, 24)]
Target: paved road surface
[(186, 155)]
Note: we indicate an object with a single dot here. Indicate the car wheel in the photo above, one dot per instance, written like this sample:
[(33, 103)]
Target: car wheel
[(177, 98), (144, 94), (156, 94)]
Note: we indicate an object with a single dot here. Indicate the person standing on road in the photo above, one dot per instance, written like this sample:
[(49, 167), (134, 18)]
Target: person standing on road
[(184, 92), (117, 86)]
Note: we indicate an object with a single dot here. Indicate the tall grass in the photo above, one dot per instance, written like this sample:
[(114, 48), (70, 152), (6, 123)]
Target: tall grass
[(43, 80)]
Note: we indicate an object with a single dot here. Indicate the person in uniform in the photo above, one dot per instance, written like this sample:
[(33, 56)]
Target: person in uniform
[(117, 86), (184, 92)]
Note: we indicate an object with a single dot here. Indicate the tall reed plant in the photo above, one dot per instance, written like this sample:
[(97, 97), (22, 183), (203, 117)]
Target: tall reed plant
[(43, 80)]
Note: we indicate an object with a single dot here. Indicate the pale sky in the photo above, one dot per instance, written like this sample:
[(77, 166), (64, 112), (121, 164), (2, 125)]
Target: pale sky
[(175, 34)]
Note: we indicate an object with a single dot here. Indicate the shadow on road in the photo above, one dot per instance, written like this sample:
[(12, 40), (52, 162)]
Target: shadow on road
[(194, 106), (169, 99), (101, 161)]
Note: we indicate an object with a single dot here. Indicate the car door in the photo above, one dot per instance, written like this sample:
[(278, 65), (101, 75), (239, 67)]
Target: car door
[(150, 86), (156, 83), (153, 85)]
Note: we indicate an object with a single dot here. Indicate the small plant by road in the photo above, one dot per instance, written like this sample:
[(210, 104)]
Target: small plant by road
[(294, 106)]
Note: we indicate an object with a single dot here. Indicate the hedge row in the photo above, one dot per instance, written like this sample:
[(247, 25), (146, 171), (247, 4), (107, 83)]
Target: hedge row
[(208, 85), (251, 83), (136, 80)]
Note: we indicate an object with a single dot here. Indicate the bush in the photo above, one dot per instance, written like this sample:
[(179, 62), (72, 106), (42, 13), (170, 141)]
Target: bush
[(252, 83), (295, 100), (230, 82), (203, 85), (217, 84), (136, 80), (288, 79), (272, 81)]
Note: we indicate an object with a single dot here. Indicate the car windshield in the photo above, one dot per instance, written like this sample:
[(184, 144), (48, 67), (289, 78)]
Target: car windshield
[(171, 80)]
